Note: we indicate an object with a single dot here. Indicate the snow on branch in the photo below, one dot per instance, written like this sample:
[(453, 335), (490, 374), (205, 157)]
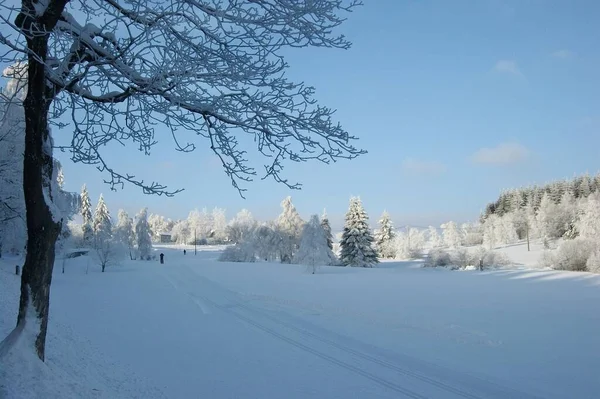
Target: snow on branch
[(201, 69)]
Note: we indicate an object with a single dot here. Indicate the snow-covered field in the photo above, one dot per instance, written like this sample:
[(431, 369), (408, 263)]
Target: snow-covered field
[(195, 327)]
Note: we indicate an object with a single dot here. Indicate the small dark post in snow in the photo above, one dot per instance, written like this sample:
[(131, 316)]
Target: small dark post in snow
[(480, 265), (17, 268), (194, 241), (162, 258)]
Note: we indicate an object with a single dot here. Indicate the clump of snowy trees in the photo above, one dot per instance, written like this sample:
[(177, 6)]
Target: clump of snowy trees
[(564, 209), (288, 239), (108, 242)]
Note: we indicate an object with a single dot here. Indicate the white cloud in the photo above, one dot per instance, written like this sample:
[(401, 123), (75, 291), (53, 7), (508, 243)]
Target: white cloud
[(502, 154), (507, 66), (429, 168), (562, 54)]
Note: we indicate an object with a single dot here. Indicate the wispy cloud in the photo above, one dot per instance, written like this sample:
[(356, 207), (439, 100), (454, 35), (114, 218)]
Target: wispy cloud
[(502, 154), (508, 67), (564, 54), (423, 168)]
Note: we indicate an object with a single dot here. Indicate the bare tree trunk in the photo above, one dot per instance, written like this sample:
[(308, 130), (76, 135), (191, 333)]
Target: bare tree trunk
[(42, 230)]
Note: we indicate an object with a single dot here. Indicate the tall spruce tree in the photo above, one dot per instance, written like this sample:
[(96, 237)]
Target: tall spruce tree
[(102, 225), (327, 229), (357, 240), (86, 214), (384, 237)]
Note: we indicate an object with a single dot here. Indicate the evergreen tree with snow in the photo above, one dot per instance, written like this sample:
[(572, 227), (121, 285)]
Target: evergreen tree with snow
[(143, 234), (86, 214), (101, 226), (314, 250), (357, 241), (384, 237), (327, 228), (123, 232), (289, 225)]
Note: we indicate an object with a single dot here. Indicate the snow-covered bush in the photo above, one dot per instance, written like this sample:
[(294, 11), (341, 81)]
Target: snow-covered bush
[(238, 253), (438, 258), (494, 258), (593, 262), (573, 255), (462, 258)]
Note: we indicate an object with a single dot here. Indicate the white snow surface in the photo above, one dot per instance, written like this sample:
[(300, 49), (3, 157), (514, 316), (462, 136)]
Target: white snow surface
[(195, 327)]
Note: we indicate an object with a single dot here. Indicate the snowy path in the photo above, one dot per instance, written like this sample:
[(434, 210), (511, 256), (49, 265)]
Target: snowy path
[(338, 353)]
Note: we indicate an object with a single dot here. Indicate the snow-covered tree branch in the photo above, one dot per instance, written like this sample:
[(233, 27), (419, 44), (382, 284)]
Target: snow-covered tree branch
[(112, 71)]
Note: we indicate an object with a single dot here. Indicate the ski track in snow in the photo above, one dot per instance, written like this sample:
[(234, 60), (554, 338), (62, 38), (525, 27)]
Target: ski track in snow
[(313, 341)]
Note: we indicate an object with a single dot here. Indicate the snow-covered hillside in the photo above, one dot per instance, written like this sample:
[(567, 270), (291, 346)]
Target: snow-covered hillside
[(195, 327)]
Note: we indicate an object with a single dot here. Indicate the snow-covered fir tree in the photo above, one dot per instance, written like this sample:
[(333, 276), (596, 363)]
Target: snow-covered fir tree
[(86, 214), (289, 225), (143, 234), (357, 241), (102, 225), (384, 237), (327, 228), (314, 250), (123, 233)]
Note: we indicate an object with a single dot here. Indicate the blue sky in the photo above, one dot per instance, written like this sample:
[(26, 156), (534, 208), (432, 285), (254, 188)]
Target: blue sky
[(454, 100)]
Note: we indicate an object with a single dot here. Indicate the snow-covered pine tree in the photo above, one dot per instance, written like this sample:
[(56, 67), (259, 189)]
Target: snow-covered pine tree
[(102, 225), (289, 224), (143, 234), (123, 232), (357, 241), (314, 250), (384, 237), (327, 228), (86, 214)]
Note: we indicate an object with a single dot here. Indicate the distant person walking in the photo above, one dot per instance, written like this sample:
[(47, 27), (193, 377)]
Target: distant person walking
[(162, 258), (184, 252)]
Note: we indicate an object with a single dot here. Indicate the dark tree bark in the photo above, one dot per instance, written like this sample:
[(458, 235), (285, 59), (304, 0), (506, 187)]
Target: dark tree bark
[(42, 229)]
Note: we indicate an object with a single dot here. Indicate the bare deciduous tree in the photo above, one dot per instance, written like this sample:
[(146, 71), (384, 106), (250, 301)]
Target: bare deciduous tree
[(205, 67)]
